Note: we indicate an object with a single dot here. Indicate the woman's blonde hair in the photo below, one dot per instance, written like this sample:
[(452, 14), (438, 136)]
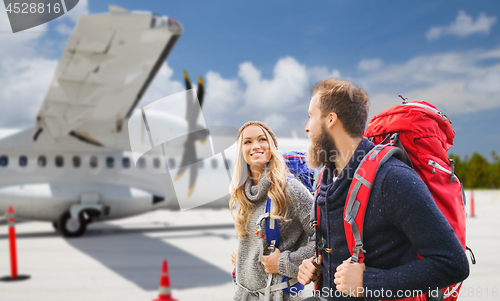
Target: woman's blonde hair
[(278, 174)]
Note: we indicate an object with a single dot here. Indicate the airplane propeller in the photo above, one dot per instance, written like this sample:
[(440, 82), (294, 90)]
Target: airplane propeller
[(196, 133)]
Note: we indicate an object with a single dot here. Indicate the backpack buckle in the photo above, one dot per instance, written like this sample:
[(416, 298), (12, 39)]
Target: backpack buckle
[(259, 233), (272, 247), (355, 253), (358, 248)]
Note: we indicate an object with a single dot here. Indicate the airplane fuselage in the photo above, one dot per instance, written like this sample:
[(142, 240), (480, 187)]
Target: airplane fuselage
[(42, 180)]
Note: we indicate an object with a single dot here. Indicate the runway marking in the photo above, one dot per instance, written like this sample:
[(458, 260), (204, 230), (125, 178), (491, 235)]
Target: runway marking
[(495, 197)]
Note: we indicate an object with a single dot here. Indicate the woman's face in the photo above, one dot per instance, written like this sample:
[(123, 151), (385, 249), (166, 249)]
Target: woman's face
[(255, 146)]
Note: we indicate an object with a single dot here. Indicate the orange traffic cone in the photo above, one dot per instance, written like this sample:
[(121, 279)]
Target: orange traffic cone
[(164, 291), (472, 204), (11, 220)]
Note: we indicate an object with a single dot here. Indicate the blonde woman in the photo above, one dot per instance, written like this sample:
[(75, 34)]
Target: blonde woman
[(260, 172)]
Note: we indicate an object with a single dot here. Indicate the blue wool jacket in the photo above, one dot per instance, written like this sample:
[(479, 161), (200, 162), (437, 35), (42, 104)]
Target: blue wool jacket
[(401, 219)]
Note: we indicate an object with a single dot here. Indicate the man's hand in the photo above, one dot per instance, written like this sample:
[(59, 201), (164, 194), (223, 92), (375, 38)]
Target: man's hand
[(271, 262), (233, 257), (349, 278), (309, 270)]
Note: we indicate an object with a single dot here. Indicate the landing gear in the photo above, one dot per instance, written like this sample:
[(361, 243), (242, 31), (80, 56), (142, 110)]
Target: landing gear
[(71, 227), (56, 226)]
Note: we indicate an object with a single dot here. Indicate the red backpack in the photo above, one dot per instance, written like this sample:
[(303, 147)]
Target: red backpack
[(419, 134)]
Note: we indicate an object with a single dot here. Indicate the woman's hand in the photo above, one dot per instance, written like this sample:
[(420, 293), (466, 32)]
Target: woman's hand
[(271, 262), (233, 257)]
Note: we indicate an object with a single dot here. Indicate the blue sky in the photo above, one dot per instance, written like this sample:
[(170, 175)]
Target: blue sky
[(260, 59)]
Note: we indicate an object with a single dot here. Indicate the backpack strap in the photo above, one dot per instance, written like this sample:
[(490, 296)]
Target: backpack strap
[(359, 194), (315, 214), (272, 228)]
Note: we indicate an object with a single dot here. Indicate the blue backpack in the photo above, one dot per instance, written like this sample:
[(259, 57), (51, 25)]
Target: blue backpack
[(296, 162)]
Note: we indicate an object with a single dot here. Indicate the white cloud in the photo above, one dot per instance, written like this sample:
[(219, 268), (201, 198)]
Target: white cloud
[(370, 64), (454, 82), (317, 73), (66, 24), (82, 8), (23, 84), (21, 44), (162, 85), (24, 75), (463, 26), (289, 84), (276, 122), (222, 94), (488, 84), (65, 28)]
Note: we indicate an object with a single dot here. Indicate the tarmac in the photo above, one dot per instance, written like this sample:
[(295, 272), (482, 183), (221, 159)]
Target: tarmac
[(121, 260)]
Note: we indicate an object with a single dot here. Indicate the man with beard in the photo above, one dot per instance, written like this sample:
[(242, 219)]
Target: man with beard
[(401, 219)]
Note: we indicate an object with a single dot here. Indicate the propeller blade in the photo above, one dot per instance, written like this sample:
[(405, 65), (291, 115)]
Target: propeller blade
[(189, 155), (193, 174), (192, 111), (201, 90), (180, 172), (187, 81)]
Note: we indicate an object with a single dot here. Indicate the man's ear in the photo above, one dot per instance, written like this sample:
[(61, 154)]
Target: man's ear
[(332, 119)]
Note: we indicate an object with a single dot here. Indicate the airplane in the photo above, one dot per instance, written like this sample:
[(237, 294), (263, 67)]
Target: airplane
[(77, 166)]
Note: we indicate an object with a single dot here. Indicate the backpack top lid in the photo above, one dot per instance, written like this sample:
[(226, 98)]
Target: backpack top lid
[(296, 163), (419, 117)]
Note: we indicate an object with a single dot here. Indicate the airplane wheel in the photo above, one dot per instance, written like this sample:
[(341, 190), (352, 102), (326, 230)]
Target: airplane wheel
[(71, 227)]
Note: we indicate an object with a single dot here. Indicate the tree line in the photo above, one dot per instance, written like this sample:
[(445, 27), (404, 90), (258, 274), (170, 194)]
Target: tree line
[(477, 172)]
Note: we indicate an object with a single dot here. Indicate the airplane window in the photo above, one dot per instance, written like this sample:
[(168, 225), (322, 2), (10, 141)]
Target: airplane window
[(4, 161), (42, 161), (77, 161), (141, 163), (171, 163), (23, 161), (94, 162), (110, 162), (59, 161), (200, 164), (126, 162), (214, 163), (156, 162)]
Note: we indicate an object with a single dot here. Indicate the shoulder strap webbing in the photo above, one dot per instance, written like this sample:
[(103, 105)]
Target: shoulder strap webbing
[(359, 194), (315, 213), (272, 228)]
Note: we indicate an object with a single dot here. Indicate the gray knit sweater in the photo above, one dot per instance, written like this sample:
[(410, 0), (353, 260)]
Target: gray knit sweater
[(295, 243)]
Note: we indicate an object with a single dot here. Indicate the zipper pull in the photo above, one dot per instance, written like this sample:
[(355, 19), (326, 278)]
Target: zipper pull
[(433, 164), (405, 100)]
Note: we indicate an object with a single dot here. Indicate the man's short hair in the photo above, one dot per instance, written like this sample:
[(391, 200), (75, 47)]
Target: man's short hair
[(347, 100)]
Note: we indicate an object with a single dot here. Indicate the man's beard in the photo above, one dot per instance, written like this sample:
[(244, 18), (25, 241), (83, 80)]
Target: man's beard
[(322, 151)]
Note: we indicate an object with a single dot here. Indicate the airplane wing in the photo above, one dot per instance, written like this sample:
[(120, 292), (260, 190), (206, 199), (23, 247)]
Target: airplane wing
[(107, 65)]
